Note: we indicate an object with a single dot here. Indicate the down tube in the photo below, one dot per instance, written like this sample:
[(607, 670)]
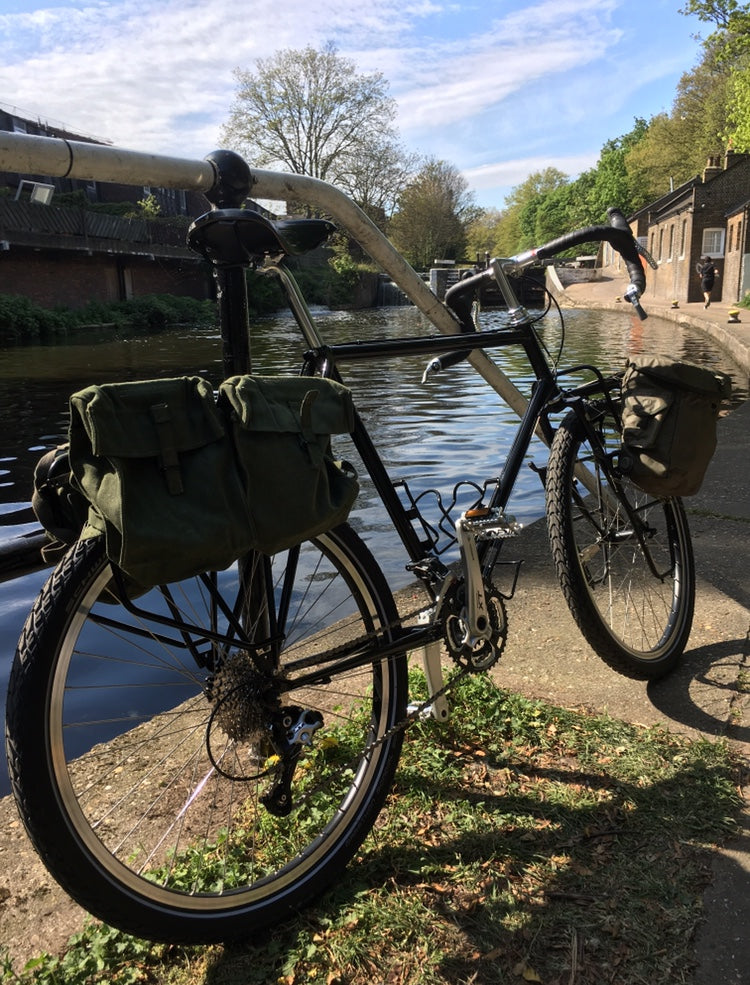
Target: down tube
[(543, 390)]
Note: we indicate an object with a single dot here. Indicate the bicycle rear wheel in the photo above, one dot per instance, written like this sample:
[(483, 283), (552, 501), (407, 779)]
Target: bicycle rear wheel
[(140, 752), (623, 557)]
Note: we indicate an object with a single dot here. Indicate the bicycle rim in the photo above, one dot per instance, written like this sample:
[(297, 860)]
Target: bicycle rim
[(624, 558), (140, 773)]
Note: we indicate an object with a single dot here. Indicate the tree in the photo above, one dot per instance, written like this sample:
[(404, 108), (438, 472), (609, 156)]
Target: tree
[(482, 233), (310, 112), (376, 179), (675, 146), (611, 185), (732, 20), (434, 212), (729, 49), (738, 129), (517, 230)]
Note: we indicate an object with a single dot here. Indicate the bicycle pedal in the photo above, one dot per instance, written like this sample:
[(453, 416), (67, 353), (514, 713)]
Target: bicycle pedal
[(487, 523)]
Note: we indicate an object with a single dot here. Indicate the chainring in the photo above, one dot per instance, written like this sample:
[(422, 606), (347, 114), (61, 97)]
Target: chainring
[(478, 655)]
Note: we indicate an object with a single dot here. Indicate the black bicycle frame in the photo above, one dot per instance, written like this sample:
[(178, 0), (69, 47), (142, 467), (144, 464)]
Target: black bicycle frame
[(325, 360)]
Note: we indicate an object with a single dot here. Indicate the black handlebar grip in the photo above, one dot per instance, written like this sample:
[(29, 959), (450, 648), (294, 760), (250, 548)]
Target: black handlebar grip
[(633, 264)]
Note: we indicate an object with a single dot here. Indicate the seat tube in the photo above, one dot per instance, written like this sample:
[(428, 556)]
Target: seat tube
[(234, 319)]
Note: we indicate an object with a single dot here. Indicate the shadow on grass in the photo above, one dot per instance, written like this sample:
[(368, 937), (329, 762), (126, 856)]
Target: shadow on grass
[(560, 864)]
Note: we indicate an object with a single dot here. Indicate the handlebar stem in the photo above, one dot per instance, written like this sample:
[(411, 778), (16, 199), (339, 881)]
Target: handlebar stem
[(516, 311)]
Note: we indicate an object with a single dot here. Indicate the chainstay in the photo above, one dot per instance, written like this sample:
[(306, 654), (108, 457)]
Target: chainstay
[(413, 715)]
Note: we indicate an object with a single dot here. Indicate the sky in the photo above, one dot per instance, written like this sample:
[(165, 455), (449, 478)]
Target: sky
[(499, 89)]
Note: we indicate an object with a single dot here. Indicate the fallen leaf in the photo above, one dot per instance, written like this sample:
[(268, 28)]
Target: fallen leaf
[(525, 971)]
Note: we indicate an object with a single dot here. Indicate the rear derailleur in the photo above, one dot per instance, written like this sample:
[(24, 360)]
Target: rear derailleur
[(266, 738)]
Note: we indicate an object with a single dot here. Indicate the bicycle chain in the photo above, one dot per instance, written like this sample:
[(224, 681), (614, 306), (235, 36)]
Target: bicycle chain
[(400, 726), (463, 669)]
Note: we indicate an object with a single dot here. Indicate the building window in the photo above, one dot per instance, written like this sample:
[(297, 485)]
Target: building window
[(683, 238), (713, 242), (671, 243)]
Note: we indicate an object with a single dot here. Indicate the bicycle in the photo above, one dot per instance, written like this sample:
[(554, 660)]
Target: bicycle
[(223, 803)]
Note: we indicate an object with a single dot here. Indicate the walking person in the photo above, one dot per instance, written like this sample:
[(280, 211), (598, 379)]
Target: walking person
[(707, 272)]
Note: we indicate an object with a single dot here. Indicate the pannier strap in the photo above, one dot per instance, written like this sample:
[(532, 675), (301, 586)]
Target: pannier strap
[(169, 460), (307, 430)]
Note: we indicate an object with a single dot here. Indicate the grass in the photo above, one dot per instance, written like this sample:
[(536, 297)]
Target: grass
[(522, 843)]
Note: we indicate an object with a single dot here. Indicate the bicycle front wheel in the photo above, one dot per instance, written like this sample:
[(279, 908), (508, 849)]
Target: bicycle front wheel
[(623, 557), (143, 745)]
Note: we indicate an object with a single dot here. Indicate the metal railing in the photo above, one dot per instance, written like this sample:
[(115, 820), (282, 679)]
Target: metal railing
[(25, 219)]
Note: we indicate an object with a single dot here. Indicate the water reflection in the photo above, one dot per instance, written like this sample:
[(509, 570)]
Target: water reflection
[(436, 435)]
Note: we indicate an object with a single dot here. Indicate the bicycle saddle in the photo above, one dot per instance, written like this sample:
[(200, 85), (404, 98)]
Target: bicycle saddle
[(234, 237)]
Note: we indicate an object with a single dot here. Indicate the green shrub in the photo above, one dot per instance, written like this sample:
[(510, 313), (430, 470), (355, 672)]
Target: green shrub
[(264, 294), (21, 320)]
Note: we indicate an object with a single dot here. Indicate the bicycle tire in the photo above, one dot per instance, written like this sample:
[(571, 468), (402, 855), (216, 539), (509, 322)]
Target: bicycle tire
[(636, 622), (145, 830)]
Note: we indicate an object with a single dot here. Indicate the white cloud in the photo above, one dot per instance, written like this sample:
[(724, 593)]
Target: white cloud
[(503, 174), (130, 70), (473, 83)]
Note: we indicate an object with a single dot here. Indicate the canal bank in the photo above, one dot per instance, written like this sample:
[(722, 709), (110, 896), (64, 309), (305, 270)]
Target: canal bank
[(546, 657)]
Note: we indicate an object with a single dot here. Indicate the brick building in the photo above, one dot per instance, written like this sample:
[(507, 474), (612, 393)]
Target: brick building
[(706, 216), (75, 252)]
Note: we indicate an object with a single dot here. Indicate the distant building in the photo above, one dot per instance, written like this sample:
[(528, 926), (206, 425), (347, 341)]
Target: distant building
[(57, 247), (706, 216)]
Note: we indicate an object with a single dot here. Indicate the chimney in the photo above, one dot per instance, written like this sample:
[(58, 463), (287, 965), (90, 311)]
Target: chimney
[(712, 168), (732, 157)]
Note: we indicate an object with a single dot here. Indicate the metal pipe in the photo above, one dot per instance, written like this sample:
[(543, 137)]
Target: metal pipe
[(60, 158)]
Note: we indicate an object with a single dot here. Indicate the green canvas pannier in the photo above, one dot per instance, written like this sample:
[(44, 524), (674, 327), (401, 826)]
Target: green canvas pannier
[(179, 483), (281, 428), (156, 463), (669, 413)]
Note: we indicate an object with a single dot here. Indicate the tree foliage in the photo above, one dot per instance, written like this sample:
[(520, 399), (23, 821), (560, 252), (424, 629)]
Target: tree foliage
[(739, 116), (675, 146), (729, 49), (309, 111), (433, 215)]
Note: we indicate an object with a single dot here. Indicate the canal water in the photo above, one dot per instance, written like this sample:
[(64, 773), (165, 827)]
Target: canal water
[(452, 430)]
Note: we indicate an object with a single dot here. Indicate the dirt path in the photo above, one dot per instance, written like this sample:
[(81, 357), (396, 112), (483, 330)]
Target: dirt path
[(35, 914)]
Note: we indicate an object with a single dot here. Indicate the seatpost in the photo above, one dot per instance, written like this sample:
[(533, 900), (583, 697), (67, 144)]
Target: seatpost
[(234, 319), (230, 190)]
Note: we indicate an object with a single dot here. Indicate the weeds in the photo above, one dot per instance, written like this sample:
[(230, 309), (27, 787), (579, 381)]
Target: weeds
[(522, 842)]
